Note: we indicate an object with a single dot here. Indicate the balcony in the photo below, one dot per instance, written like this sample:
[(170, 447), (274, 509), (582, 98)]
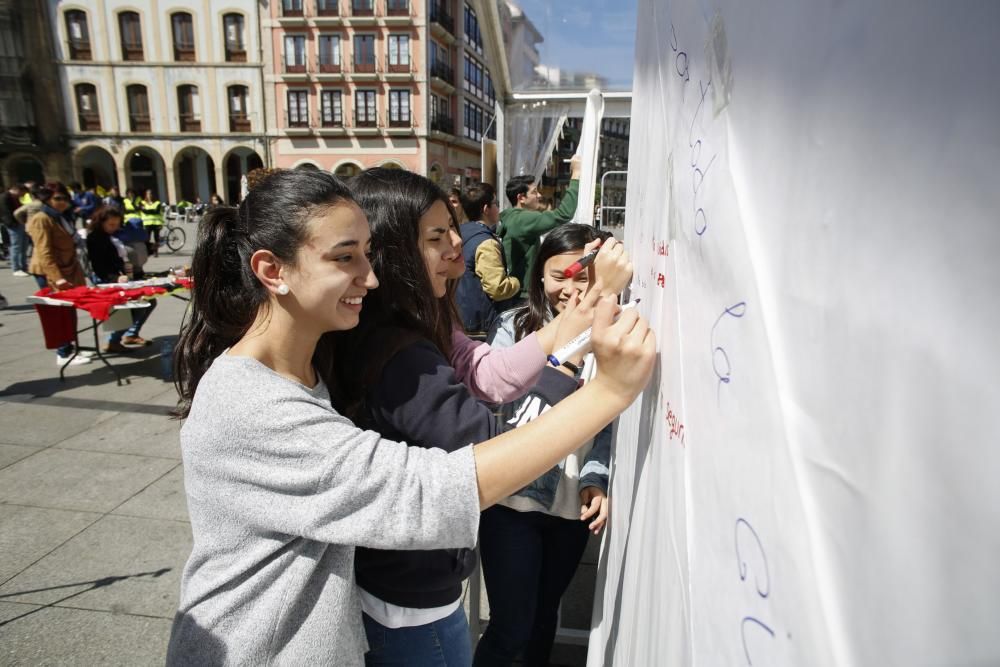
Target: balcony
[(290, 10), (401, 122), (296, 124), (362, 121), (239, 122), (442, 22), (329, 68), (89, 121), (132, 51), (363, 8), (364, 71), (184, 52), (79, 49), (399, 68), (190, 122), (139, 122), (442, 123), (397, 8), (334, 122), (327, 8), (236, 54), (294, 69), (443, 71)]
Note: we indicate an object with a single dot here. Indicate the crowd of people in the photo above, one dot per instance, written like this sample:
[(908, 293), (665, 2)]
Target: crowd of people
[(64, 236), (332, 401)]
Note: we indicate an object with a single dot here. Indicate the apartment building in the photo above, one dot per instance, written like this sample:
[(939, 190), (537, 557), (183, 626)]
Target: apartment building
[(164, 95), (359, 83)]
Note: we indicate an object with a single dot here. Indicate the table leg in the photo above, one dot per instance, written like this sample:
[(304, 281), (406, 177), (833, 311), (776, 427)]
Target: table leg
[(97, 351)]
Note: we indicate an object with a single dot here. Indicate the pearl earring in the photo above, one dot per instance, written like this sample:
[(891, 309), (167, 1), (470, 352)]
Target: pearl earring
[(283, 289)]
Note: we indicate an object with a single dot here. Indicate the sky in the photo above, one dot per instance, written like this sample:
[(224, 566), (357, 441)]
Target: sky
[(594, 36)]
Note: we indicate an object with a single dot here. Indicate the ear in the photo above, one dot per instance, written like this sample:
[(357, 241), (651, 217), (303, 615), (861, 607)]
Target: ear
[(268, 270)]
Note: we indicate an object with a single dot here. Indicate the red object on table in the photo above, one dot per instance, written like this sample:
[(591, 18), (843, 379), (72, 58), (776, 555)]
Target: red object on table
[(58, 324), (99, 302)]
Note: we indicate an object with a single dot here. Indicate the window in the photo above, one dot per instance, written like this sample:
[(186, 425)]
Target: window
[(472, 36), (187, 107), (331, 108), (476, 120), (397, 7), (399, 108), (441, 115), (183, 29), (298, 108), (295, 53), (130, 31), (329, 53), (232, 27), (327, 7), (239, 118), (291, 7), (399, 53), (79, 35), (86, 107), (138, 108), (441, 63), (474, 77), (364, 108), (491, 95), (364, 53), (362, 7)]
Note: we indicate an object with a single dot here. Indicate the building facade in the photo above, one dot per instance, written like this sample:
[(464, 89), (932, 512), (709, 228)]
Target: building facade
[(165, 95), (354, 84), (32, 138)]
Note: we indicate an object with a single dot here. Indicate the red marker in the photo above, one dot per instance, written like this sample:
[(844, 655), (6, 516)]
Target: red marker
[(580, 264)]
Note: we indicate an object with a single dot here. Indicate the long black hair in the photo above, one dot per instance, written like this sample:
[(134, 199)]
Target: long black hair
[(562, 239), (227, 295), (403, 307)]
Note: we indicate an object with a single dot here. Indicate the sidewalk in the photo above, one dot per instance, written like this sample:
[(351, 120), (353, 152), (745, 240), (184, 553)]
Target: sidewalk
[(94, 530)]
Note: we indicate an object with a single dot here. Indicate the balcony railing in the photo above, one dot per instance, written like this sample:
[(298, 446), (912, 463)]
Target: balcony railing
[(364, 68), (236, 54), (184, 52), (442, 123), (329, 67), (333, 121), (362, 8), (327, 8), (239, 122), (296, 120), (441, 16), (291, 10), (294, 68), (443, 71), (397, 8), (79, 49), (400, 122), (139, 122), (361, 120), (190, 122), (132, 51), (89, 121), (399, 68)]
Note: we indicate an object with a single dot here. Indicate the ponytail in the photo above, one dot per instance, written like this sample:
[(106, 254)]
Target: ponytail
[(227, 296)]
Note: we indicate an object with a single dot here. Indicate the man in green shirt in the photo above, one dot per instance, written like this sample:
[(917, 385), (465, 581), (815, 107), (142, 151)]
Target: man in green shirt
[(522, 227)]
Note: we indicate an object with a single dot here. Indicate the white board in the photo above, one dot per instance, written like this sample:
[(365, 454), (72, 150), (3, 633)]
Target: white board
[(814, 213)]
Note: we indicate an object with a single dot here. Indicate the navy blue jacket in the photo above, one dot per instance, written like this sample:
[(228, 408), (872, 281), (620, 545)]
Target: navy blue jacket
[(479, 312)]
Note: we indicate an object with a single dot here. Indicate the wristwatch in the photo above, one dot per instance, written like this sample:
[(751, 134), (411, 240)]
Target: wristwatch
[(573, 368)]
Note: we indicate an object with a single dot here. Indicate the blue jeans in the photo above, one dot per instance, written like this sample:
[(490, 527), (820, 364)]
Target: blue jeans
[(139, 317), (18, 248), (444, 643), (529, 559)]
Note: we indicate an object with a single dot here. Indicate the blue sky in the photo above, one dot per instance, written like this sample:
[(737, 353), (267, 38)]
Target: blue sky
[(587, 36)]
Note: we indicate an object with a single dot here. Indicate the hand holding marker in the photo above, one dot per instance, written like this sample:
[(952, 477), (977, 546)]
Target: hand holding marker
[(580, 342), (580, 264)]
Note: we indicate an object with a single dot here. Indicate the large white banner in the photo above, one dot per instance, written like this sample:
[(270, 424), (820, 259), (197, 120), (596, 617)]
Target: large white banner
[(813, 477)]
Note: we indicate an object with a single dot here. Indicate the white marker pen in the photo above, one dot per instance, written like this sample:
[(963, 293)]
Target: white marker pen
[(578, 343)]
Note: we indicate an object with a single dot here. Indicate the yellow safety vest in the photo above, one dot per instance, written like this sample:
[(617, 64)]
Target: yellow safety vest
[(151, 213)]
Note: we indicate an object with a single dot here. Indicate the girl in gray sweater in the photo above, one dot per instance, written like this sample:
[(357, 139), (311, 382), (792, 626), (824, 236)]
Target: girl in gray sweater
[(281, 488)]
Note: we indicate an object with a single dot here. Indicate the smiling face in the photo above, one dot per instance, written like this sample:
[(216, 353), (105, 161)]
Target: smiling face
[(558, 288), (332, 271), (438, 241)]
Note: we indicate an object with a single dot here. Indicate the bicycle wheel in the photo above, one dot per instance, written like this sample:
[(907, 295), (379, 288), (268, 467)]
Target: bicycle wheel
[(176, 239)]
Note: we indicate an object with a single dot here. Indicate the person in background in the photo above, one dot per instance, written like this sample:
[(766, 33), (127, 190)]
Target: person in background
[(134, 235), (485, 288), (151, 211), (455, 200), (54, 262), (114, 199), (9, 203), (531, 542), (85, 201), (29, 189), (522, 227), (108, 261)]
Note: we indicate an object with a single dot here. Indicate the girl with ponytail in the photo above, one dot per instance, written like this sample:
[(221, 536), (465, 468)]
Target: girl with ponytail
[(280, 487)]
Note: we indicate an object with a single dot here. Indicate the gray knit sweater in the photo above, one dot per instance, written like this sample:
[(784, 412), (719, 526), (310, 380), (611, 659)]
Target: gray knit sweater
[(280, 490)]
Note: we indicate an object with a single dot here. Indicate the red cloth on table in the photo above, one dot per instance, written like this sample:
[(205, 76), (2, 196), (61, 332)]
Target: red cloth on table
[(58, 325), (99, 302)]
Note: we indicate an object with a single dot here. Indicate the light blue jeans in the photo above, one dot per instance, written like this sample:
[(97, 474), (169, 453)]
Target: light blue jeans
[(18, 248), (444, 643)]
